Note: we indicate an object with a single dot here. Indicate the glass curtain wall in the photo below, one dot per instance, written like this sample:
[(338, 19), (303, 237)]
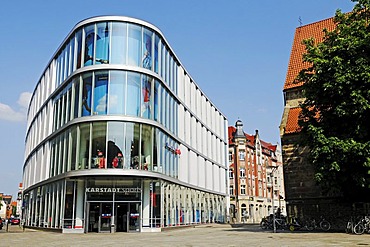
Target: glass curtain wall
[(116, 43), (116, 145), (115, 92)]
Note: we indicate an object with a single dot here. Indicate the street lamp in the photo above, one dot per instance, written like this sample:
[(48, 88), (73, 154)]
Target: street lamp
[(272, 197)]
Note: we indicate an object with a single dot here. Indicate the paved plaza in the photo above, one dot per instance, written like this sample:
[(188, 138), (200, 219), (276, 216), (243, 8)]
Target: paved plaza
[(202, 235)]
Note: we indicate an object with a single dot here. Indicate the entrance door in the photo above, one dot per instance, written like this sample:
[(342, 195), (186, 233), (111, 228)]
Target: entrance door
[(126, 216), (100, 214), (121, 217), (94, 212), (134, 224), (105, 217)]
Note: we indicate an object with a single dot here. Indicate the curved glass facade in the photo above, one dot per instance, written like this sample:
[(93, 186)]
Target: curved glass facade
[(120, 137)]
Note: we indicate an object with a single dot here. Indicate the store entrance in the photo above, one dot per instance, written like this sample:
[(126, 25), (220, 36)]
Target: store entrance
[(100, 215), (126, 216), (122, 217)]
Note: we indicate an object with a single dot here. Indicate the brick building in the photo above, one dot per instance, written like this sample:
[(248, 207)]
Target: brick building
[(303, 196), (255, 175)]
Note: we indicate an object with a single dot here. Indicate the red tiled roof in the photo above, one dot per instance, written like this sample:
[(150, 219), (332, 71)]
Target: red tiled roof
[(230, 132), (250, 140), (292, 122), (313, 30)]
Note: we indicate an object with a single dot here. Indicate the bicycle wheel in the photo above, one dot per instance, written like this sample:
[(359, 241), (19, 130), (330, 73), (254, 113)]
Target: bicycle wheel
[(359, 229), (310, 227), (349, 227), (263, 225), (325, 225)]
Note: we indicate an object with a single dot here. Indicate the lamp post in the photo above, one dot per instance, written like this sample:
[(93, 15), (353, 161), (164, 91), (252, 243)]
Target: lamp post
[(272, 197)]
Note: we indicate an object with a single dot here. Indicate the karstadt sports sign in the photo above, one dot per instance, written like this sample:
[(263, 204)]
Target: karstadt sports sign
[(110, 190)]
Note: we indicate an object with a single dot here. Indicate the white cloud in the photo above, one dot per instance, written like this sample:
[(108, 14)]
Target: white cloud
[(102, 105), (19, 115), (24, 99)]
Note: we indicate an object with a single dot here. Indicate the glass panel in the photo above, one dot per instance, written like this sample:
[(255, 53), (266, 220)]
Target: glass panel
[(73, 147), (119, 43), (115, 144), (102, 43), (83, 160), (66, 163), (146, 147), (146, 89), (134, 224), (61, 68), (117, 92), (132, 144), (58, 65), (156, 100), (68, 206), (64, 110), (155, 151), (76, 82), (59, 154), (86, 94), (163, 105), (72, 56), (59, 111), (68, 104), (156, 41), (79, 48), (53, 157), (147, 49), (163, 61), (65, 62), (89, 45), (99, 131), (106, 215), (56, 117), (94, 213), (134, 44), (100, 93), (133, 94)]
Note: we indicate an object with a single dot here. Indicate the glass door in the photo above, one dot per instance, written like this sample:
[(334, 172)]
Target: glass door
[(134, 224), (121, 217), (105, 217), (94, 212)]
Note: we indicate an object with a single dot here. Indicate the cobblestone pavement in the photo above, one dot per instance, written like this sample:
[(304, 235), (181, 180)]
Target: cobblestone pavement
[(202, 235)]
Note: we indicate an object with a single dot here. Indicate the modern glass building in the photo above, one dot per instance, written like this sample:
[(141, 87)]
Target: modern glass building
[(120, 138)]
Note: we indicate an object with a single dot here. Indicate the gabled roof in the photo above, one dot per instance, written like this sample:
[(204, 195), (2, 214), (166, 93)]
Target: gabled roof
[(313, 30), (250, 140)]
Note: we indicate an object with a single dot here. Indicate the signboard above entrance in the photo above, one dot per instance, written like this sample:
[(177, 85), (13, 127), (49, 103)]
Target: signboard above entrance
[(110, 190)]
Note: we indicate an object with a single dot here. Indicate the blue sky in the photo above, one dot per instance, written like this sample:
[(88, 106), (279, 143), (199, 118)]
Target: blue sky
[(237, 51)]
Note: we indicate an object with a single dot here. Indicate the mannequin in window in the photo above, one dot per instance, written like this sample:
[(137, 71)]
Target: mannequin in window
[(147, 163), (135, 162), (100, 160), (115, 157), (117, 161), (146, 91)]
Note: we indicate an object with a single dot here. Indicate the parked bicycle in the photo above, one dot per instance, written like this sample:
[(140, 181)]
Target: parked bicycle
[(268, 222), (301, 224), (321, 224), (362, 226), (309, 224)]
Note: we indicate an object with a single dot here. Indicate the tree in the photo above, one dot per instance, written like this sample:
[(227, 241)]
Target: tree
[(335, 117)]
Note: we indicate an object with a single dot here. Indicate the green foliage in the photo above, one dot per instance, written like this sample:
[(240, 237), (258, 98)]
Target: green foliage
[(335, 117)]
